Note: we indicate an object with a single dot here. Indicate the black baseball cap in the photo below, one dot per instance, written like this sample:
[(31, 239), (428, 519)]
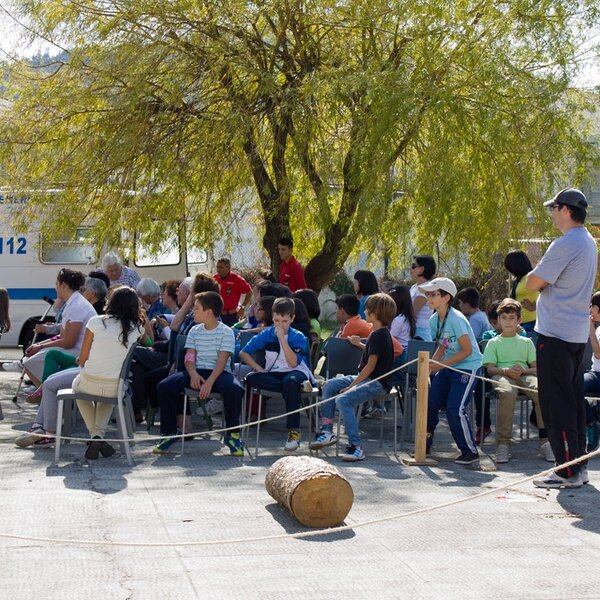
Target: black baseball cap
[(570, 197)]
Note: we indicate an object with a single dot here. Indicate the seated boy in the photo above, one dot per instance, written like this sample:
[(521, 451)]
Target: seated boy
[(510, 359), (208, 349), (348, 318), (286, 366), (591, 378), (354, 390), (468, 303)]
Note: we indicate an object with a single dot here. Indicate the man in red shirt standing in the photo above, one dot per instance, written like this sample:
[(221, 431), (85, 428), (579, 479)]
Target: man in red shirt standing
[(232, 287), (291, 272)]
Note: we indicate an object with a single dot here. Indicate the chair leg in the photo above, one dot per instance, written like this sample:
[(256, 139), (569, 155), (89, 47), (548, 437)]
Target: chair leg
[(123, 433), (59, 418), (260, 399), (185, 401)]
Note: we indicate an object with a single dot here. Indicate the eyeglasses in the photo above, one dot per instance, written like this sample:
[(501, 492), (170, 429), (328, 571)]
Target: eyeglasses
[(553, 206), (432, 294)]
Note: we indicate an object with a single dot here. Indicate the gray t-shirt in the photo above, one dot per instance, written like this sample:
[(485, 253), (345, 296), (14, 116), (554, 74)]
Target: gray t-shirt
[(569, 267), (479, 323)]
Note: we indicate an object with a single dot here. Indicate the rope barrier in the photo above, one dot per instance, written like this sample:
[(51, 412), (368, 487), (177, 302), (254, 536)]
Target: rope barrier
[(300, 534), (224, 429)]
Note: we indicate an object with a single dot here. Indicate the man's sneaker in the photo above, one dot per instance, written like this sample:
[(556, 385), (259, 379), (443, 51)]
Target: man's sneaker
[(293, 441), (592, 435), (585, 478), (31, 437), (353, 454), (163, 446), (324, 438), (546, 452), (502, 454), (486, 431), (467, 458), (556, 482), (16, 366), (235, 445)]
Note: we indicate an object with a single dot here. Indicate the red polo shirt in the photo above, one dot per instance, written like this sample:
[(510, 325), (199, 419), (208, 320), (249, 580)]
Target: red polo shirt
[(232, 287), (291, 274)]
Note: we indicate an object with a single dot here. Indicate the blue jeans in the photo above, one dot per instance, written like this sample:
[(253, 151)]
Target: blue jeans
[(169, 390), (288, 384), (348, 401), (591, 385), (455, 391)]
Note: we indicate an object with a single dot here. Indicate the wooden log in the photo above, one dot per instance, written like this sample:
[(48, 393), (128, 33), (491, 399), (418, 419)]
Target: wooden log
[(314, 491)]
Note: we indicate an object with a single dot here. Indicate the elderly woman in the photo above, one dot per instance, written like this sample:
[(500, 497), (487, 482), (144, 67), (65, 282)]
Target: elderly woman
[(94, 291), (77, 312), (117, 272), (149, 291)]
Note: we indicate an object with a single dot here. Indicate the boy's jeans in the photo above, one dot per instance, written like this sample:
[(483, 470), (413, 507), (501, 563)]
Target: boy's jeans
[(169, 390), (288, 383), (348, 401)]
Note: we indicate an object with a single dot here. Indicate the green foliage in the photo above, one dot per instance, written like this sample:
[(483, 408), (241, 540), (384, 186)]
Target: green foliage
[(341, 284), (173, 111)]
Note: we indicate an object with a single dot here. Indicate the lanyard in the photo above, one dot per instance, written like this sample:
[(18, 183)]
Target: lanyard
[(440, 328)]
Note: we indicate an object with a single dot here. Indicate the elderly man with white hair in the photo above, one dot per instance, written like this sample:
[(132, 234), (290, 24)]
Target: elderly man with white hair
[(117, 272)]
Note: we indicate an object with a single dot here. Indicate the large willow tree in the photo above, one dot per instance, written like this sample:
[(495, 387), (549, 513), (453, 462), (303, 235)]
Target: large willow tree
[(351, 123)]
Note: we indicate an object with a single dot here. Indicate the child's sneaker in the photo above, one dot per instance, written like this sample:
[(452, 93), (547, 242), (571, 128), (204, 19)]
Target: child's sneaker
[(163, 446), (481, 434), (324, 438), (546, 452), (293, 441), (235, 445), (502, 454), (376, 412), (467, 458), (353, 454)]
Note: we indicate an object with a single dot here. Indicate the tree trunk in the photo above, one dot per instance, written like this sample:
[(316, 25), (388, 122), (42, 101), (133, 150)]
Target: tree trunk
[(314, 491)]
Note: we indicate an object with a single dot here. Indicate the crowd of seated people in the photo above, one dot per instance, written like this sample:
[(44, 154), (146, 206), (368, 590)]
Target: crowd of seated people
[(183, 341)]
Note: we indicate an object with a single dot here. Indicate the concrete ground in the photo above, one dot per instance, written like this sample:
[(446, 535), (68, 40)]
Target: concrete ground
[(520, 542)]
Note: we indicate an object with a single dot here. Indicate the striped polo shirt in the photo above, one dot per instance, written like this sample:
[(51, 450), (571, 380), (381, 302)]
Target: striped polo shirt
[(208, 343)]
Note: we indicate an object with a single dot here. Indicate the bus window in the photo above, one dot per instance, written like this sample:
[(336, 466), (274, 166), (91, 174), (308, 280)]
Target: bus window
[(79, 250), (168, 253)]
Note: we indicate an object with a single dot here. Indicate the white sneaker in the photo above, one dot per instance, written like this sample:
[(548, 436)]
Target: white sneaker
[(585, 478), (325, 438), (546, 452), (502, 454), (556, 482), (16, 366), (293, 441), (29, 389)]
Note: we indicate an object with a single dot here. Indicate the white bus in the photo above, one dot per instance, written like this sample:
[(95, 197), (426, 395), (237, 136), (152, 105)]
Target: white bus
[(29, 263)]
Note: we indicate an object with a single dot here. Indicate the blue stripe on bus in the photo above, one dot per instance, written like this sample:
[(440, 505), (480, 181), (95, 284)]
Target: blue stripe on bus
[(31, 293)]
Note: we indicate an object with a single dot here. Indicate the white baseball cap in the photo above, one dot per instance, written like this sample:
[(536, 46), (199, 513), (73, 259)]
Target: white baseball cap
[(439, 283)]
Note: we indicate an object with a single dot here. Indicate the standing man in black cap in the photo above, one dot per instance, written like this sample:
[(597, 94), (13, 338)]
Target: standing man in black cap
[(565, 277)]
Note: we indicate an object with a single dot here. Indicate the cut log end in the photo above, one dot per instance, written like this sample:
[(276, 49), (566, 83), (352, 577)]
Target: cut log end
[(314, 491)]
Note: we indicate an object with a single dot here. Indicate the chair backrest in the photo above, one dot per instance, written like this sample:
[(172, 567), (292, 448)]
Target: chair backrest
[(342, 358), (245, 337), (180, 352), (414, 347), (125, 368)]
